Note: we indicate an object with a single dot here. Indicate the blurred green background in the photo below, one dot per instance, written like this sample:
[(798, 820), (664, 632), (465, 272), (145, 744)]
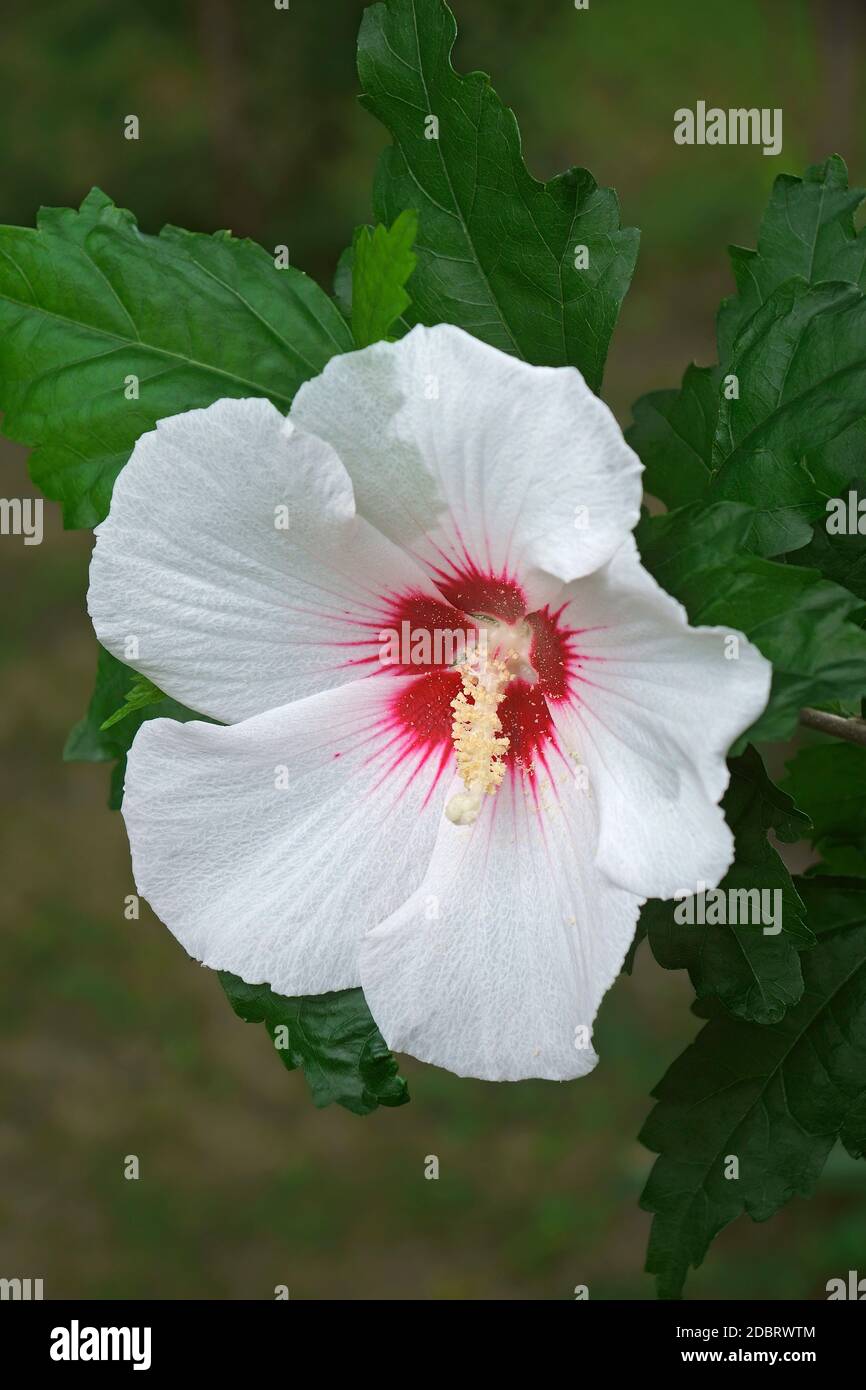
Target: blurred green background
[(113, 1043)]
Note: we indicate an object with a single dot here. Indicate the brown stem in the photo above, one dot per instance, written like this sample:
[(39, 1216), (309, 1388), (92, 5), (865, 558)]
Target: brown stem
[(854, 730)]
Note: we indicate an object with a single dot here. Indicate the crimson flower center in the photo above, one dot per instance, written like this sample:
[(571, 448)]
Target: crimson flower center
[(490, 709)]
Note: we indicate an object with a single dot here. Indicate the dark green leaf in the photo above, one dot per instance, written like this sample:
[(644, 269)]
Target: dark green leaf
[(497, 250), (332, 1037), (853, 1134), (839, 469), (676, 544), (775, 1098), (841, 558), (841, 463), (829, 782), (381, 264), (673, 432), (800, 365), (89, 306), (756, 974), (788, 411), (807, 231)]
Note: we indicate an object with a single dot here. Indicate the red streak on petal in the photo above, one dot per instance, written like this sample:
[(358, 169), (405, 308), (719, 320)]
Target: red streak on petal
[(554, 654), (409, 636), (417, 724), (474, 591), (422, 709), (526, 723), (431, 634)]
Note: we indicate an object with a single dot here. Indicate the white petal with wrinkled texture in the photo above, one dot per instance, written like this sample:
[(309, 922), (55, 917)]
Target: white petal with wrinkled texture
[(658, 706), (521, 468), (233, 615), (506, 949), (278, 883)]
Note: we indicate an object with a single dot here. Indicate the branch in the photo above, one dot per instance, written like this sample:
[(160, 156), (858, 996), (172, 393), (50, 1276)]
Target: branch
[(853, 730)]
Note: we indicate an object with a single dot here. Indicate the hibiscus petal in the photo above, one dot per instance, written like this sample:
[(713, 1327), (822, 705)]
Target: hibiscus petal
[(496, 966), (269, 847), (231, 612), (654, 708), (521, 468)]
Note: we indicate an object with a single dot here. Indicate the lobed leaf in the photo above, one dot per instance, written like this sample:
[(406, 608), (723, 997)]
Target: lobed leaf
[(775, 1098), (780, 424), (498, 252), (807, 231)]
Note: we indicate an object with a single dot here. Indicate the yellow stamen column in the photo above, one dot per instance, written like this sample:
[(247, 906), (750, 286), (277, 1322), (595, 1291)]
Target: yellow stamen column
[(478, 740)]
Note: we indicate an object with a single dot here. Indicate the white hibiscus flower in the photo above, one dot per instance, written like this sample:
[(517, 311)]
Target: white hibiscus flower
[(477, 866)]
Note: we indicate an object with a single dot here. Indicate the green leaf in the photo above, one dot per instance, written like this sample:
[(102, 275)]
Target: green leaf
[(676, 544), (829, 782), (101, 736), (332, 1037), (801, 368), (497, 250), (88, 303), (343, 280), (795, 345), (807, 231), (142, 693), (802, 623), (381, 265), (840, 558), (673, 432), (755, 974), (775, 1098), (839, 469), (841, 463)]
